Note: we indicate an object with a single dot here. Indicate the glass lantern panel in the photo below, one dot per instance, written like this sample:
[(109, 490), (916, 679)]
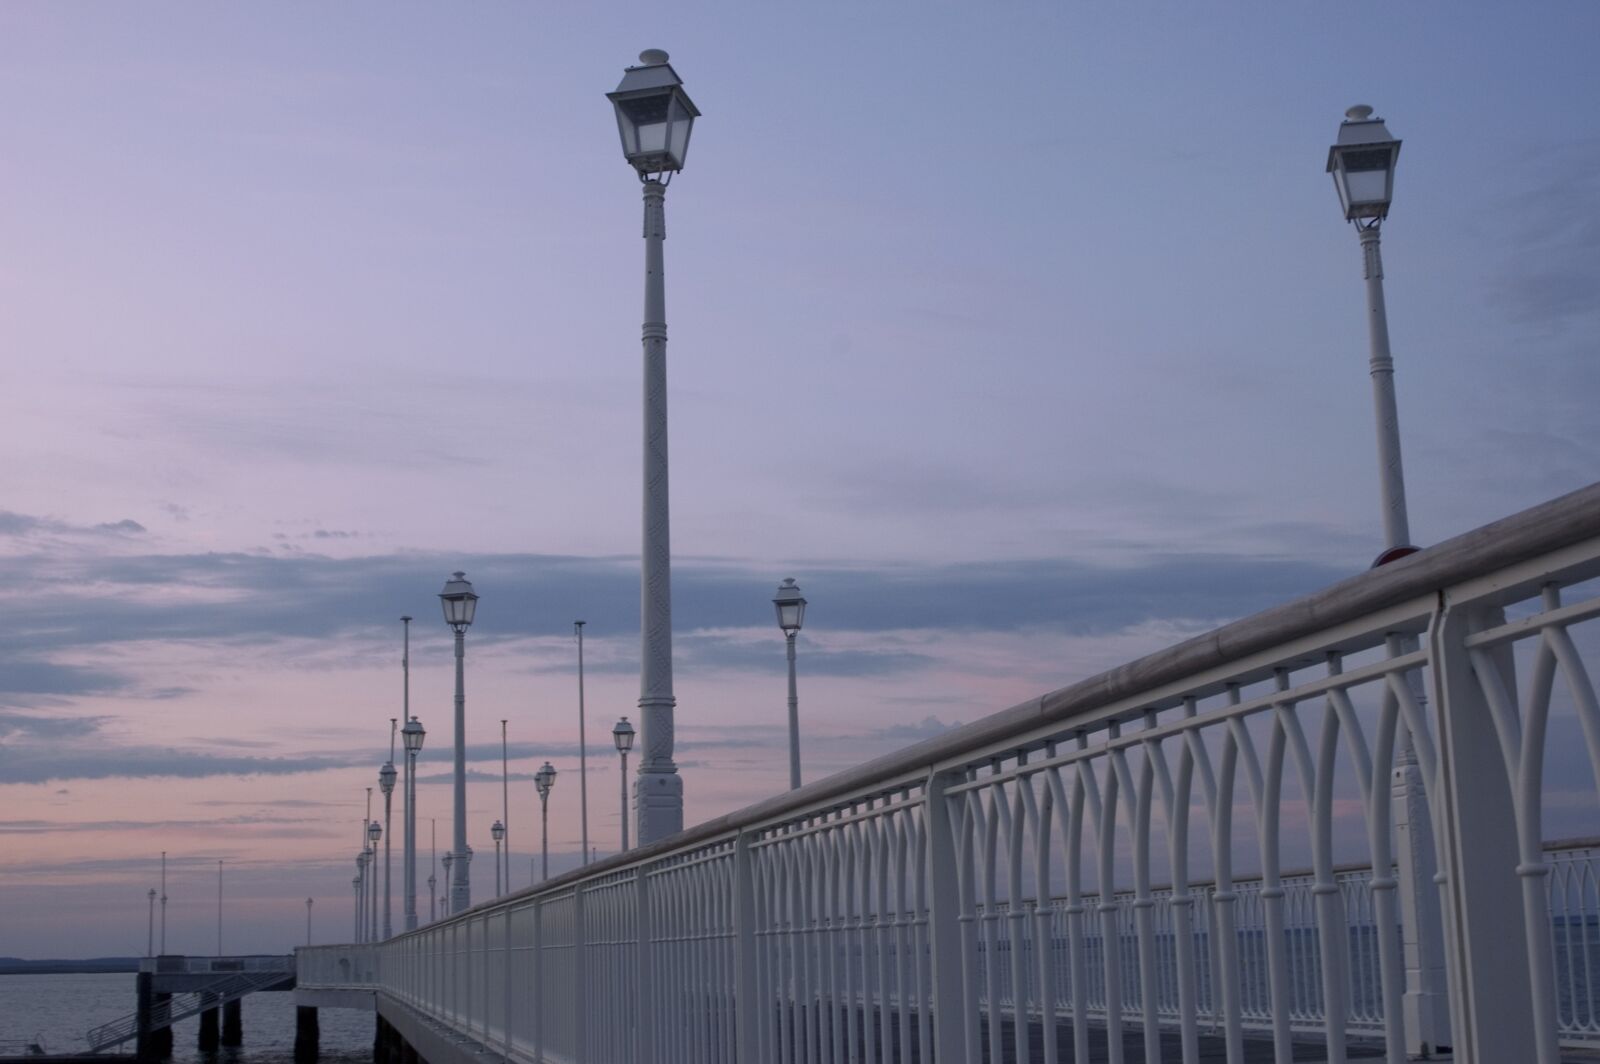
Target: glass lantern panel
[(1366, 186), (678, 137), (648, 118)]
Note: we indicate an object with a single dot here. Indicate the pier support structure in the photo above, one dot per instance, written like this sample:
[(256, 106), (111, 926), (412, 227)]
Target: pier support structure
[(233, 1023), (307, 1034), (209, 1035)]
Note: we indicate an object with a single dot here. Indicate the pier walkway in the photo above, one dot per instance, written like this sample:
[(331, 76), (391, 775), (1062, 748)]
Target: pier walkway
[(1108, 871)]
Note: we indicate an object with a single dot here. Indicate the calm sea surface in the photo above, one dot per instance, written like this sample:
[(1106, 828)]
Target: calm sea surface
[(58, 1009)]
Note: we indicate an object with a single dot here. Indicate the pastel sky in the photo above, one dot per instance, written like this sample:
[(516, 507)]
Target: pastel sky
[(1027, 337)]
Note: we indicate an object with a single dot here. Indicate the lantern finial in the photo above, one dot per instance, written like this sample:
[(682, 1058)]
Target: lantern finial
[(1359, 113), (652, 57)]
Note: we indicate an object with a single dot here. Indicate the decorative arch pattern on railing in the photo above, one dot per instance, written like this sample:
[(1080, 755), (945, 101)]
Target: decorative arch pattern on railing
[(1307, 826)]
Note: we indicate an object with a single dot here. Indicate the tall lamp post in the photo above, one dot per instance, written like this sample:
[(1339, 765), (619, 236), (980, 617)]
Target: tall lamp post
[(791, 607), (361, 894), (411, 737), (655, 117), (544, 780), (1362, 161), (460, 604), (386, 776), (374, 833), (163, 901), (505, 804), (497, 831), (622, 735), (583, 753), (308, 920), (150, 934), (433, 879)]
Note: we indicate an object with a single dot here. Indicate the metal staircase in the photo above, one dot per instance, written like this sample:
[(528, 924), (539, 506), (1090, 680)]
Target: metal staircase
[(182, 1006)]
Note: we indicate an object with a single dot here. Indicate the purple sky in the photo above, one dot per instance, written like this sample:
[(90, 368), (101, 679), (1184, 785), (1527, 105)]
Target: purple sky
[(1028, 339)]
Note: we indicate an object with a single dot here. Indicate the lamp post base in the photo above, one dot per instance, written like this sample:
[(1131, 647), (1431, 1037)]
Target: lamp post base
[(658, 805)]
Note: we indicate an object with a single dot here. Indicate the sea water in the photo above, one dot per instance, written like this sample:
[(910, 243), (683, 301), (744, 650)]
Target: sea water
[(57, 1010)]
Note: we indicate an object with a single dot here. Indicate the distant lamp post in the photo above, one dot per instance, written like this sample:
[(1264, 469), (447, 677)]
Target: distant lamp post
[(655, 118), (622, 735), (150, 935), (361, 896), (386, 776), (308, 920), (460, 604), (791, 607), (447, 860), (497, 831), (583, 753), (544, 780), (411, 737), (1362, 162), (374, 833)]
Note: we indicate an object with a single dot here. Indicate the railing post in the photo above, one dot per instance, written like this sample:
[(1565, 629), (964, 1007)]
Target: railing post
[(580, 979), (745, 1004), (1491, 1010), (644, 1031), (944, 923), (538, 979), (1427, 1015)]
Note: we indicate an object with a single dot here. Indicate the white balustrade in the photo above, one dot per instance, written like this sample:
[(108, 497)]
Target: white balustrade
[(1179, 850)]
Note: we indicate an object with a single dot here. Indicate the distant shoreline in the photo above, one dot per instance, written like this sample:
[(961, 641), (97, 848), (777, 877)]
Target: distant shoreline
[(90, 966)]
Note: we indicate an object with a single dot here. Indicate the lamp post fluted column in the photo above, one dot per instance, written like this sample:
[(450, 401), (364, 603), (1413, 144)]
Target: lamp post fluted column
[(655, 117), (658, 793), (1392, 480)]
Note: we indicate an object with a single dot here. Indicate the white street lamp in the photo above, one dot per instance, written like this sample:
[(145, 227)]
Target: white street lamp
[(497, 831), (622, 735), (386, 776), (583, 752), (1362, 162), (460, 604), (374, 833), (150, 934), (505, 805), (791, 608), (411, 737), (544, 780), (655, 117), (355, 884)]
